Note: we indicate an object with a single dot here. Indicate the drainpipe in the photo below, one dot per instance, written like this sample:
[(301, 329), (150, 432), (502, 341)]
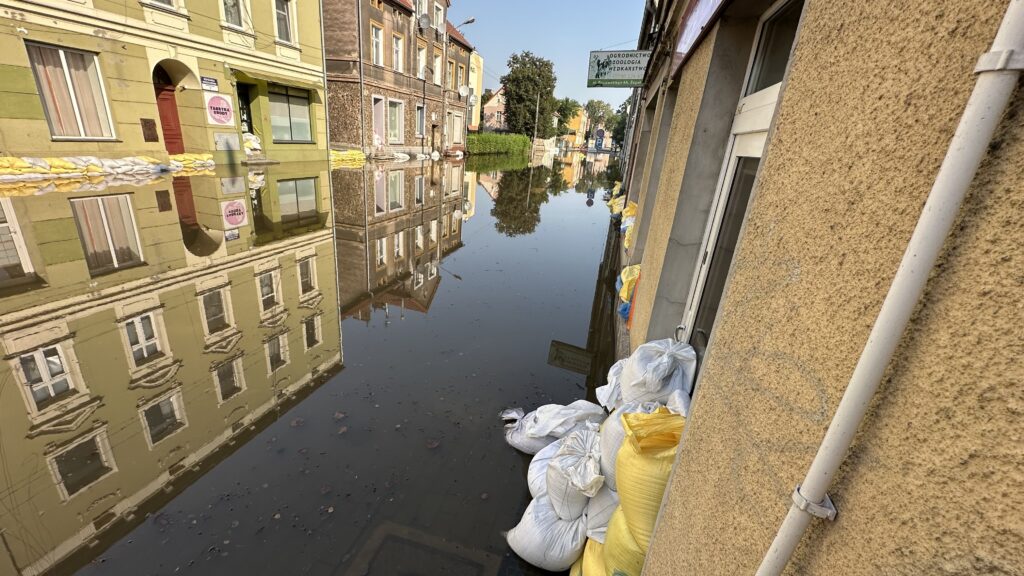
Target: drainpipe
[(362, 96), (998, 71)]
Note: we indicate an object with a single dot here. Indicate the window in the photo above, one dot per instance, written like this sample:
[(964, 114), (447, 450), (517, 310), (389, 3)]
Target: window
[(421, 7), (289, 114), (438, 16), (775, 41), (432, 270), (142, 339), (46, 375), (298, 202), (215, 311), (397, 57), (451, 75), (399, 245), (233, 12), (163, 417), (437, 66), (433, 231), (382, 251), (396, 190), (455, 223), (461, 77), (283, 12), (421, 120), (377, 44), (396, 117), (444, 226), (106, 227), (15, 264), (380, 194), (419, 237), (307, 276), (268, 291), (421, 62), (311, 331), (417, 280), (420, 186), (72, 92), (229, 378), (457, 129), (277, 352), (82, 464)]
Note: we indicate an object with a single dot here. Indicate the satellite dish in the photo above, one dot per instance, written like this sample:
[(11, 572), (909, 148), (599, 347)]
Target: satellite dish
[(424, 22), (472, 100), (463, 91)]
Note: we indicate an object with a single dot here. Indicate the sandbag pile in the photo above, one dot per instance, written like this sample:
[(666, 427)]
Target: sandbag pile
[(347, 159), (252, 144), (625, 284), (29, 169), (191, 162), (597, 489)]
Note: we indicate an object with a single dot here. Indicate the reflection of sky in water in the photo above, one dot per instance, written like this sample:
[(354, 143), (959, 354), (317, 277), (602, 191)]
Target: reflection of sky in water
[(398, 464)]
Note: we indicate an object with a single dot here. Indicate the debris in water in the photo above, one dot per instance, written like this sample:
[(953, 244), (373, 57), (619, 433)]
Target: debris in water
[(484, 496), (343, 429), (297, 423), (339, 415), (433, 443)]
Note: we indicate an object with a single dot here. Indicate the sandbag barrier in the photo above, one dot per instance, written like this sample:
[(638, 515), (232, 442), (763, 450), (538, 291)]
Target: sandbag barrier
[(596, 480), (22, 176)]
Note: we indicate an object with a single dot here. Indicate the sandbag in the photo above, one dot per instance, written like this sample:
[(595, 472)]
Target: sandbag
[(545, 540), (623, 556), (530, 432), (574, 473), (599, 512), (657, 368), (613, 433), (536, 474), (630, 210), (516, 432), (592, 561), (643, 466), (629, 276), (609, 395)]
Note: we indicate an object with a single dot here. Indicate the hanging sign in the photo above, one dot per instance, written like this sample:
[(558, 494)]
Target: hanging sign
[(234, 213), (219, 110), (208, 83), (618, 69)]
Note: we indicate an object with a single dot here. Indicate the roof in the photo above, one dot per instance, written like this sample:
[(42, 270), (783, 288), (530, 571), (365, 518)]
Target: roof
[(457, 36), (407, 4)]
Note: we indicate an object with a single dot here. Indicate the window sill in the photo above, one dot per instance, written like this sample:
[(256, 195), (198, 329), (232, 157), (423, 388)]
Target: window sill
[(287, 44), (108, 271), (237, 29), (84, 139), (181, 426), (68, 496), (58, 409), (165, 8), (294, 141)]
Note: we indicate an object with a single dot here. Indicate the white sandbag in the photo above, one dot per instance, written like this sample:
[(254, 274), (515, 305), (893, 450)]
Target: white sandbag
[(574, 473), (655, 369), (612, 435), (516, 432), (37, 163), (610, 395), (599, 512), (545, 540), (536, 474), (678, 403), (557, 420)]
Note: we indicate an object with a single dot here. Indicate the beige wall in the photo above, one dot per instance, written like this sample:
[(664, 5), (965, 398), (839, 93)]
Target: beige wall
[(933, 483)]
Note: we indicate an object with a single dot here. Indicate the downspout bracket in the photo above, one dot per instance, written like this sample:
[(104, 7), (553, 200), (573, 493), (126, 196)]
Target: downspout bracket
[(825, 510), (1000, 60)]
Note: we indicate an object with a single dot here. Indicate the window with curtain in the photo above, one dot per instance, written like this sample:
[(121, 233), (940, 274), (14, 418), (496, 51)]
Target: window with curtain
[(106, 228), (71, 90), (377, 45), (143, 339), (283, 13), (379, 194), (396, 116), (421, 62), (397, 59), (289, 114), (461, 77), (307, 276), (298, 202), (215, 312), (438, 16), (396, 190), (451, 75), (228, 379), (46, 376), (437, 69), (233, 12)]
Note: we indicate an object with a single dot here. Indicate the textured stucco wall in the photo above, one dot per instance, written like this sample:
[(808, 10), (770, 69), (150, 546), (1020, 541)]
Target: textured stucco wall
[(933, 484), (684, 118)]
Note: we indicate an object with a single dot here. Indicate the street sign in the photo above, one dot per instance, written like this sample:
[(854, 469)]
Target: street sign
[(618, 69), (569, 357)]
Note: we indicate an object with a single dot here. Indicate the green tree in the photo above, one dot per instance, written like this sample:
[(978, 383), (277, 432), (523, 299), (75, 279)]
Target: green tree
[(599, 111), (529, 77), (567, 108), (618, 127), (488, 94)]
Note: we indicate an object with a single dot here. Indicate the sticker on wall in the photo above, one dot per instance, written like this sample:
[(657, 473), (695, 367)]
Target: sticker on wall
[(219, 110), (208, 83), (230, 235), (233, 185), (226, 141), (234, 213)]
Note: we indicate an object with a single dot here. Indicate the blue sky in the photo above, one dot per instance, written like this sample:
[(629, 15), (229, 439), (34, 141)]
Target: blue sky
[(563, 31)]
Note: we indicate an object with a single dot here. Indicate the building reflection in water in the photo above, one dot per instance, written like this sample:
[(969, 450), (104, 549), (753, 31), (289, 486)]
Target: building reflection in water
[(149, 330), (394, 224)]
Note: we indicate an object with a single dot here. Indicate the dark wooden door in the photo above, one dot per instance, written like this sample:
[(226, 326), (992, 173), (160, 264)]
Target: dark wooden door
[(186, 203), (167, 106)]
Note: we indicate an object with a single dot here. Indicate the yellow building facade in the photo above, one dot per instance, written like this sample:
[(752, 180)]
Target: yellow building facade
[(159, 77)]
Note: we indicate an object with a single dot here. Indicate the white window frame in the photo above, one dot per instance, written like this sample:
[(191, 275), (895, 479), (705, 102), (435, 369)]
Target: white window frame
[(238, 366), (438, 68), (278, 296), (455, 223), (65, 352), (16, 236), (285, 356), (179, 412), (438, 22), (419, 238), (401, 122), (229, 315), (748, 139), (421, 121), (431, 270), (244, 9), (420, 186), (74, 97), (376, 44), (421, 62), (318, 328), (311, 260), (381, 247), (457, 136), (399, 240), (397, 52), (401, 190), (433, 231), (106, 229), (98, 436), (163, 349), (293, 28)]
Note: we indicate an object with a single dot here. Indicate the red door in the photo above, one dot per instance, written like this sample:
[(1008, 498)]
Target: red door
[(186, 203), (167, 106)]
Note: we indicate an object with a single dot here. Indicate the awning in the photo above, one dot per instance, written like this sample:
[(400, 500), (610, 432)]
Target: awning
[(253, 76)]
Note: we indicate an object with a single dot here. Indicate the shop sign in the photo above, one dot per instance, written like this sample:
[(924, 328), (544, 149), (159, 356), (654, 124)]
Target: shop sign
[(219, 110), (234, 213), (618, 69)]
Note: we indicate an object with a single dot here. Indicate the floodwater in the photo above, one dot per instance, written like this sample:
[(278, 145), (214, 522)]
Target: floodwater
[(217, 422)]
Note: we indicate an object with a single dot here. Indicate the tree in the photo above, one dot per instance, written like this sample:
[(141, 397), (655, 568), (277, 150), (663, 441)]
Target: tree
[(599, 111), (488, 94), (618, 127), (528, 78), (567, 108)]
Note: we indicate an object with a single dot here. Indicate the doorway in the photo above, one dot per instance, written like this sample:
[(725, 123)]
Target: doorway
[(167, 107), (245, 107)]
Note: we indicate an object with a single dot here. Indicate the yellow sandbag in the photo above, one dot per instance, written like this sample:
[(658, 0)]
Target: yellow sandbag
[(148, 159), (630, 210), (13, 162), (621, 554), (593, 559), (617, 204), (642, 468), (630, 237), (93, 169), (60, 164), (629, 277)]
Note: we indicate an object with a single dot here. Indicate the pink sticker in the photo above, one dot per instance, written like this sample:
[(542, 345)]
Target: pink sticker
[(219, 109), (234, 213)]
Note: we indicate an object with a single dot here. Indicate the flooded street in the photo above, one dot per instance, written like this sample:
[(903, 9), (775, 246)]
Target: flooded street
[(251, 448)]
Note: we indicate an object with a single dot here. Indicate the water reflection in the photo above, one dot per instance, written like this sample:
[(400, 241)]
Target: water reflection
[(147, 330)]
